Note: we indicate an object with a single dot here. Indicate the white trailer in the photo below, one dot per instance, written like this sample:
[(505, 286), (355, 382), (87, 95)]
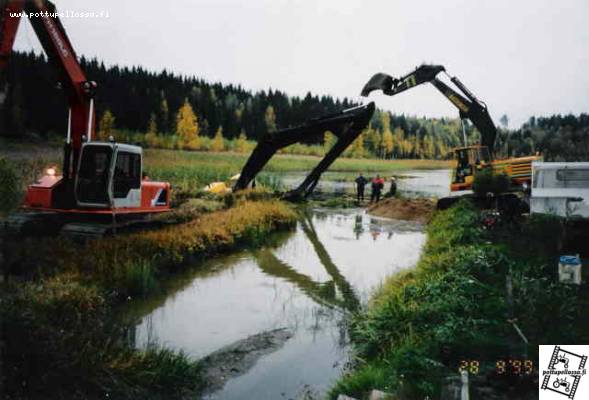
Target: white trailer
[(560, 188)]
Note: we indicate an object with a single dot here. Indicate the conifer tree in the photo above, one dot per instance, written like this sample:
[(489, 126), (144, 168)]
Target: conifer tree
[(106, 125), (329, 140), (358, 147), (387, 143), (387, 136), (218, 144), (187, 127), (151, 138), (270, 119), (241, 145), (164, 115), (152, 126)]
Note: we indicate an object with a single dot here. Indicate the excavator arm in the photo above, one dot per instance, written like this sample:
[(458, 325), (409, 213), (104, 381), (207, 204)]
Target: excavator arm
[(8, 28), (345, 125), (468, 105), (79, 91)]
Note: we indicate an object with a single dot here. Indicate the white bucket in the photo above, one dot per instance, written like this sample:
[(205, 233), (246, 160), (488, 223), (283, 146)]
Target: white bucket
[(569, 269)]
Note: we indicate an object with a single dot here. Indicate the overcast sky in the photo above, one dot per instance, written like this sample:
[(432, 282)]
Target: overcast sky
[(522, 58)]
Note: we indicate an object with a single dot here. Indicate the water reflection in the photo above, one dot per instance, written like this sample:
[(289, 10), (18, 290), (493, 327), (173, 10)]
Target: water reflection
[(307, 281), (350, 300), (358, 226)]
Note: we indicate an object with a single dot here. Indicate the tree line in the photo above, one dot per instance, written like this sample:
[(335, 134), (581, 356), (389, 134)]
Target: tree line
[(163, 109)]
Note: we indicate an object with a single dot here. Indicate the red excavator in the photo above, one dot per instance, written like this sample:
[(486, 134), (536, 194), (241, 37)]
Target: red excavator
[(99, 180)]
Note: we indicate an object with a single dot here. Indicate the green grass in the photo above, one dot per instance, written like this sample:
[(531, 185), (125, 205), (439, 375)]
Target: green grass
[(190, 171), (281, 162)]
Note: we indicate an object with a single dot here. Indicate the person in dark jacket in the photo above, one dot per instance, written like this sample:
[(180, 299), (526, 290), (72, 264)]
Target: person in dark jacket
[(393, 189), (360, 184), (377, 186)]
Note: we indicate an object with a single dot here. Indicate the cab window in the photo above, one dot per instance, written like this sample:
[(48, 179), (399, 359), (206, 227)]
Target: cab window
[(127, 174), (92, 186)]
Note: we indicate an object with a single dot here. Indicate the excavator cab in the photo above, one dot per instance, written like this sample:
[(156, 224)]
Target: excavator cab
[(469, 160), (109, 177), (109, 174)]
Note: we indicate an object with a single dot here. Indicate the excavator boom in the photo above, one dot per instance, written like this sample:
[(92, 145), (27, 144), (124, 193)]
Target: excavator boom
[(468, 105), (345, 125)]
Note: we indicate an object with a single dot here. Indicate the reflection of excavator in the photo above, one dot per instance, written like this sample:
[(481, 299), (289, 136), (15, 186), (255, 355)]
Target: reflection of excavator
[(470, 159), (326, 293), (98, 179), (345, 125)]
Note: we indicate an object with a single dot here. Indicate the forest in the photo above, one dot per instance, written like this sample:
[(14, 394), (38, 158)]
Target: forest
[(167, 110)]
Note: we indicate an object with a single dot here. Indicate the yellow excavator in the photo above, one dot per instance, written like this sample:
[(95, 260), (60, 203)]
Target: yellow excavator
[(470, 159)]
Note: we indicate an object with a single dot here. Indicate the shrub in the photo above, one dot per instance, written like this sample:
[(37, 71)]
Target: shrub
[(155, 370), (544, 231), (486, 181), (10, 189), (454, 227), (367, 377), (138, 277)]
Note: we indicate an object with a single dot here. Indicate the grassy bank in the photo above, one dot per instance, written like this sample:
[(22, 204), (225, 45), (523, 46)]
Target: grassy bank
[(132, 264), (58, 344), (58, 341), (424, 324)]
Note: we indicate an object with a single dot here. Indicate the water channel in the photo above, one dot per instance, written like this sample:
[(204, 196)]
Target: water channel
[(307, 280)]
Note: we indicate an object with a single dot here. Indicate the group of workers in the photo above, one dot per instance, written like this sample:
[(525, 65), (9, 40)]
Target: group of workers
[(376, 186)]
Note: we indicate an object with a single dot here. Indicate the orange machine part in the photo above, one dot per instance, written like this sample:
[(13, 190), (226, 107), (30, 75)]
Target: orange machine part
[(39, 197)]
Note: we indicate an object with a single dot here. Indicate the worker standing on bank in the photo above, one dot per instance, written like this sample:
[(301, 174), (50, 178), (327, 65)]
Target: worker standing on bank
[(393, 188), (377, 186), (360, 184)]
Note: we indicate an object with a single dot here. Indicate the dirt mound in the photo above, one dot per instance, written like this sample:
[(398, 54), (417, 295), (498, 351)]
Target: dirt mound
[(420, 210)]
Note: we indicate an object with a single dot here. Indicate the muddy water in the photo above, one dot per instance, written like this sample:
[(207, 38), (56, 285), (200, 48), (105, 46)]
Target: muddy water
[(412, 183), (307, 281)]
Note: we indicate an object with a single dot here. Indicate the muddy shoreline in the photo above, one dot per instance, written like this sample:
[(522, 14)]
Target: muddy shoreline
[(239, 357)]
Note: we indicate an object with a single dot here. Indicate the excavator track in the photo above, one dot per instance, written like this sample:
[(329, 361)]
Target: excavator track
[(32, 224), (81, 232), (50, 224), (84, 231)]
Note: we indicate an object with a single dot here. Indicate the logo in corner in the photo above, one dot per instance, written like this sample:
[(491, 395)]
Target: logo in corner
[(563, 368)]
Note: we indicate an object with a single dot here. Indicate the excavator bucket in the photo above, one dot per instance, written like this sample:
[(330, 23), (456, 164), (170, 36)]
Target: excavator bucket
[(379, 81), (345, 125), (392, 86)]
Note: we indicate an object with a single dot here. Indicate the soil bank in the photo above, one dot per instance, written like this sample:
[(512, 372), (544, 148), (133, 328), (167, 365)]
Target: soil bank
[(417, 209)]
